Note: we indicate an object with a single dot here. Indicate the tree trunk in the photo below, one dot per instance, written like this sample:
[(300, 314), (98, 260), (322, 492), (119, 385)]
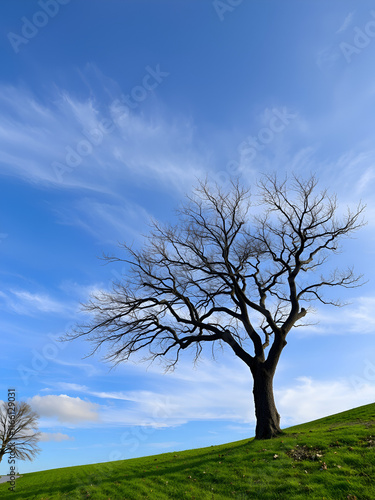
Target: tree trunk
[(267, 417)]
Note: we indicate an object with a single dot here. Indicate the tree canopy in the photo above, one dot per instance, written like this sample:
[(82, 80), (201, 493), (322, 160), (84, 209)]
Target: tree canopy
[(19, 434), (238, 270)]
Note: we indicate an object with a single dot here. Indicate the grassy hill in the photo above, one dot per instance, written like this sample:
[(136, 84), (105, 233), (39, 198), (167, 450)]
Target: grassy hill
[(330, 458)]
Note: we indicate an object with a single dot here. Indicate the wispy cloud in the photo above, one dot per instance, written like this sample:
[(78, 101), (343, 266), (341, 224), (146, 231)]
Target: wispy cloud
[(366, 181), (55, 144), (89, 369), (29, 303), (107, 222), (80, 292), (356, 317), (202, 395), (67, 386), (185, 396), (37, 137)]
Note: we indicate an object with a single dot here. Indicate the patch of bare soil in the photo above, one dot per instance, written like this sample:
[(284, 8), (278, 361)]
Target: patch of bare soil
[(305, 453)]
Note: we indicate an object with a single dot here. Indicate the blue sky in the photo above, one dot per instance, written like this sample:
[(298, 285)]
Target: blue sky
[(109, 111)]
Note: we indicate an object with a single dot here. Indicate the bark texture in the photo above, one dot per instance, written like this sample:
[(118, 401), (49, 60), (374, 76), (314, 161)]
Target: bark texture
[(267, 416)]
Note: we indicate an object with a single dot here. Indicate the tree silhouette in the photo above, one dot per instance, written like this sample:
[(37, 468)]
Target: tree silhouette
[(224, 275), (19, 434)]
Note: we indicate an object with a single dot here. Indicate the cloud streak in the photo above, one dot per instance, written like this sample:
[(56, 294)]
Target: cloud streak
[(222, 392), (28, 303), (35, 137)]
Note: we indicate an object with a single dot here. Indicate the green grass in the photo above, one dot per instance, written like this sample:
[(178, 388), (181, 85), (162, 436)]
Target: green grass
[(330, 458)]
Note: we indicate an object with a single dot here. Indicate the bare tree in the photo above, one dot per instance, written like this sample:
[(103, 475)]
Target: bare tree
[(19, 434), (224, 276)]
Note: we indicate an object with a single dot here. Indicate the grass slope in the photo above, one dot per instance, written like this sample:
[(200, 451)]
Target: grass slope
[(330, 458)]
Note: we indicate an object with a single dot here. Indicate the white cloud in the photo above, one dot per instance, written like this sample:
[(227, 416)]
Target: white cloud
[(356, 317), (55, 436), (311, 399), (65, 409)]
